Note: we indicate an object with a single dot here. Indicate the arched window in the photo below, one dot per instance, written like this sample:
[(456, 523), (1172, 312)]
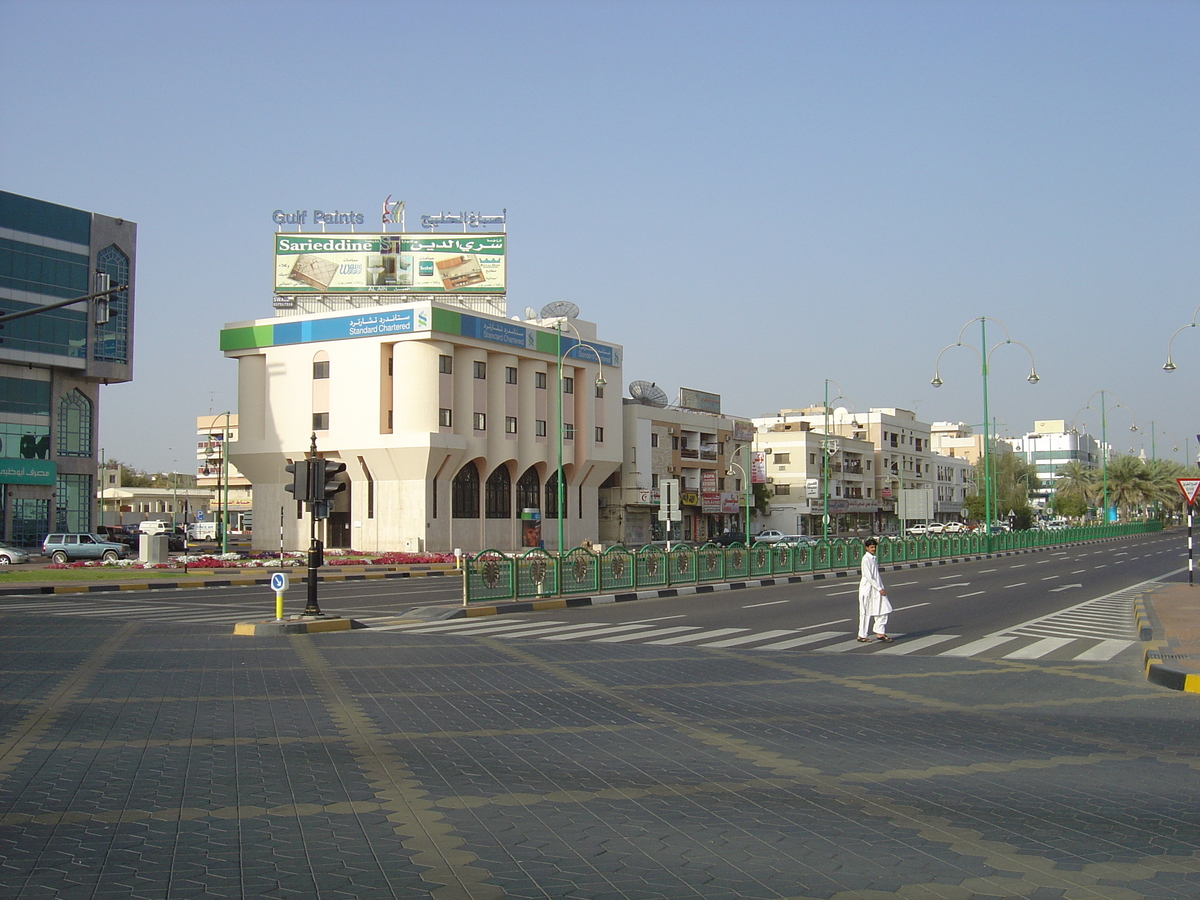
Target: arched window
[(497, 494), (529, 490), (552, 497), (111, 339), (74, 424), (464, 493)]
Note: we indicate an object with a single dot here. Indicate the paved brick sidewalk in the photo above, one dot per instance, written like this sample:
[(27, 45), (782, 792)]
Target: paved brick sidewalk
[(1173, 654), (153, 761)]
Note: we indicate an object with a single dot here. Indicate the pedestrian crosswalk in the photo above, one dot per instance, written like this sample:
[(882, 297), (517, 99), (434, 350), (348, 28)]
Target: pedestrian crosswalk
[(1094, 631), (117, 606)]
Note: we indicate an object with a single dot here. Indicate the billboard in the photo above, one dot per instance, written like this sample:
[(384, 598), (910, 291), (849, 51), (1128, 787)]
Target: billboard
[(390, 263), (700, 401)]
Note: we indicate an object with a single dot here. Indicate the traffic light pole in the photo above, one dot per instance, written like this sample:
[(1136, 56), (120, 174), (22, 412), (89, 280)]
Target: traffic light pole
[(316, 470)]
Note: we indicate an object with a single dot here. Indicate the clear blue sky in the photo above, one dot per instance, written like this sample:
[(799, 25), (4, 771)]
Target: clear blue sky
[(751, 197)]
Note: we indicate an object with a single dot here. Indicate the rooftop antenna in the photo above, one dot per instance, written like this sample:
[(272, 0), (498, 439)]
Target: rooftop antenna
[(563, 309), (648, 393)]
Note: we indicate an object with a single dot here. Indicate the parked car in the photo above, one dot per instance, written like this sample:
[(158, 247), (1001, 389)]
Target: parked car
[(935, 528), (798, 540), (118, 534), (154, 526), (729, 538), (12, 556), (63, 548), (917, 530), (954, 528), (769, 537)]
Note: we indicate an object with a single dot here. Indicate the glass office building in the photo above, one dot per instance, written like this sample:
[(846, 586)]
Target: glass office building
[(53, 362)]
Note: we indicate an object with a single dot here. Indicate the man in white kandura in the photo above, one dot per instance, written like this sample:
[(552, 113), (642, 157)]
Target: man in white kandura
[(872, 596)]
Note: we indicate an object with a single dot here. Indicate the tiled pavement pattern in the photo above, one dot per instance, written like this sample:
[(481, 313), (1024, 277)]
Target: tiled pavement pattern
[(153, 761)]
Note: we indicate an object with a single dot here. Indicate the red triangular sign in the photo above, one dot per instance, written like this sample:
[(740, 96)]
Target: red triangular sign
[(1190, 487)]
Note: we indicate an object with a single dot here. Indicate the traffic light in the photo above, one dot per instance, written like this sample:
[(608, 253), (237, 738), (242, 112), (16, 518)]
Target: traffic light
[(324, 478), (299, 488)]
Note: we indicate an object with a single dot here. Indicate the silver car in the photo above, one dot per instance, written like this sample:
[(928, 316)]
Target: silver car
[(12, 556)]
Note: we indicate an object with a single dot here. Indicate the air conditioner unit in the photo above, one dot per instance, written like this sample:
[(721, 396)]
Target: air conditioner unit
[(670, 431), (770, 480)]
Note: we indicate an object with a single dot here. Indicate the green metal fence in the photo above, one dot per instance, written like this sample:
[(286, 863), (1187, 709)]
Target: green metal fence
[(495, 576)]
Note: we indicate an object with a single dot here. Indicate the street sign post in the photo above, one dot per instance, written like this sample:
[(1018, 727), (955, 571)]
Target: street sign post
[(279, 584), (668, 505), (1190, 487)]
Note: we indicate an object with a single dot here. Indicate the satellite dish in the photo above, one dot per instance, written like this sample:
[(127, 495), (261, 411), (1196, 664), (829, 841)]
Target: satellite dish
[(564, 309), (648, 393), (530, 313)]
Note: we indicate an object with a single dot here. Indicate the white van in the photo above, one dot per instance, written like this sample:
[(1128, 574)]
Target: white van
[(202, 531), (151, 526)]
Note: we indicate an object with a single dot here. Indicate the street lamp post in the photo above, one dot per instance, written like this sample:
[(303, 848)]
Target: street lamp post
[(985, 356), (745, 482), (224, 479), (600, 382), (826, 452), (1170, 366), (1104, 439)]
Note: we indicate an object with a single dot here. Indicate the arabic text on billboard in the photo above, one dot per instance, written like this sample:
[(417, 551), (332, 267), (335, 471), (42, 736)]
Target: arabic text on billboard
[(390, 263), (700, 401)]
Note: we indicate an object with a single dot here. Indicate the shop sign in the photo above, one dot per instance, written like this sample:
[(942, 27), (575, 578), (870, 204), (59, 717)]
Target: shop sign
[(27, 471)]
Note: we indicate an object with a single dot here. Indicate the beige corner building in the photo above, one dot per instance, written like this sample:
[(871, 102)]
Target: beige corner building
[(447, 421)]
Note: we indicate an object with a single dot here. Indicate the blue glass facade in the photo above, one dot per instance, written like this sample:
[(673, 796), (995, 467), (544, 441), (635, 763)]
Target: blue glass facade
[(51, 365)]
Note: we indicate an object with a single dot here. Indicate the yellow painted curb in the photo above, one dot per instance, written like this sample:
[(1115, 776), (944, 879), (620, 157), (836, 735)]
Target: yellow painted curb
[(292, 626)]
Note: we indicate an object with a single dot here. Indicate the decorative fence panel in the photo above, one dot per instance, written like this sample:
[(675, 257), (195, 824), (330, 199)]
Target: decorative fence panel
[(493, 576)]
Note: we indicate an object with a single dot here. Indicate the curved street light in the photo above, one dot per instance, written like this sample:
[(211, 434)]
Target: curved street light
[(225, 479), (1104, 437), (1170, 366), (731, 465), (985, 357), (827, 451), (600, 382)]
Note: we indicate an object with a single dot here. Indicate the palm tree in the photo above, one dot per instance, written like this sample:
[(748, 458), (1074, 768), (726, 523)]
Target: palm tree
[(1162, 474), (1075, 479), (1130, 487)]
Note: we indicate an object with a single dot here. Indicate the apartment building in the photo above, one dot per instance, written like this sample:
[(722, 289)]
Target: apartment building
[(1049, 447), (810, 474), (707, 454)]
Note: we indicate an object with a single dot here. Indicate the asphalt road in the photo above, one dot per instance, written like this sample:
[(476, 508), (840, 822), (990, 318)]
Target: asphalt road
[(1074, 603), (147, 755), (1056, 604)]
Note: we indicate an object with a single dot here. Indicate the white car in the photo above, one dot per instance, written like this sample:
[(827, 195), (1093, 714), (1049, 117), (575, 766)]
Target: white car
[(936, 527), (770, 537), (954, 528), (917, 530)]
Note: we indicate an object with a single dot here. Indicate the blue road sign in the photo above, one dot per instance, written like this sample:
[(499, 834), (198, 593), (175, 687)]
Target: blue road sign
[(279, 581)]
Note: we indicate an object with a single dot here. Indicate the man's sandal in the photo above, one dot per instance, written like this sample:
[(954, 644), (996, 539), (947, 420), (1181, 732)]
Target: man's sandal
[(863, 640), (884, 638)]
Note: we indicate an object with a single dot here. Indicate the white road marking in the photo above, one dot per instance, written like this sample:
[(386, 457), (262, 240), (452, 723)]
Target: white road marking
[(911, 646), (685, 638), (620, 638), (801, 641), (980, 646), (1038, 649), (749, 638)]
